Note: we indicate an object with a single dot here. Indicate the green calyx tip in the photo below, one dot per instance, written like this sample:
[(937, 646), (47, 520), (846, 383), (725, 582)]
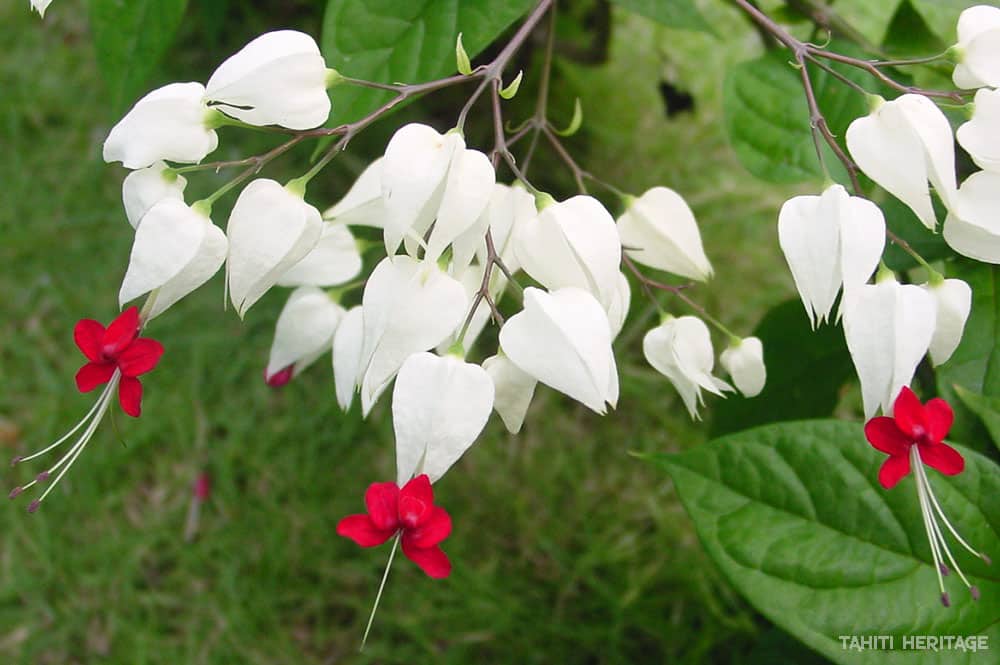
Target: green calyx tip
[(169, 175), (204, 207), (955, 53), (934, 278), (457, 350), (628, 200), (884, 274), (456, 130), (297, 186), (875, 102), (215, 119), (543, 200), (333, 78)]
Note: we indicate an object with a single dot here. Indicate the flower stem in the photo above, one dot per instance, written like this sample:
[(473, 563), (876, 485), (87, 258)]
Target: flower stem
[(378, 596)]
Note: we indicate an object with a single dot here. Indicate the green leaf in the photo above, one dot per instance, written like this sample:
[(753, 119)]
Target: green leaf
[(904, 223), (805, 370), (793, 515), (767, 117), (942, 15), (975, 365), (987, 408), (871, 19), (675, 14), (404, 41), (130, 37)]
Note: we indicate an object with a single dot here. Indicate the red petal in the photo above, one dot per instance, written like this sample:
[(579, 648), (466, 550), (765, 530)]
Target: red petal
[(121, 331), (415, 501), (893, 470), (939, 418), (432, 560), (883, 433), (88, 334), (909, 413), (360, 529), (140, 356), (382, 502), (279, 378), (430, 533), (130, 396), (942, 457), (92, 375)]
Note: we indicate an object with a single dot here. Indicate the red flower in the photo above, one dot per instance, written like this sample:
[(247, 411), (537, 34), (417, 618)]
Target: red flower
[(914, 424), (410, 510), (117, 348)]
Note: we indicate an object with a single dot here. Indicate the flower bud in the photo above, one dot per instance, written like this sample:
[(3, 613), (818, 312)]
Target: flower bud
[(978, 48), (744, 361), (514, 390), (980, 136), (145, 187), (661, 232), (334, 260), (347, 343), (362, 205), (304, 330), (972, 229), (953, 298), (681, 349)]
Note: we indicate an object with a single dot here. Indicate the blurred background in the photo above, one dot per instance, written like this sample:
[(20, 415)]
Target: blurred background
[(566, 548)]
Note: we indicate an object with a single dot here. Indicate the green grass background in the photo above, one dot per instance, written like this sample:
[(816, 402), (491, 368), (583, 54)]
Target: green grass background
[(566, 549)]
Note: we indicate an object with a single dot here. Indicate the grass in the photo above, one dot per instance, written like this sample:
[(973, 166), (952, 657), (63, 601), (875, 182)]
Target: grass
[(566, 548)]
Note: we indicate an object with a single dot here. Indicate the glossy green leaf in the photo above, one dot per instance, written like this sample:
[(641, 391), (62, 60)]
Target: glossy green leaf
[(871, 19), (404, 41), (987, 408), (682, 14), (942, 15), (793, 515), (805, 371), (130, 37), (901, 220)]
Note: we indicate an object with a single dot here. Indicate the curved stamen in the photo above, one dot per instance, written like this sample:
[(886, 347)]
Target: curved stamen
[(67, 435)]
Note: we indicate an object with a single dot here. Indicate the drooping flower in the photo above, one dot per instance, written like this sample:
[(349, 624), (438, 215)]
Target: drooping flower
[(830, 241), (680, 348), (409, 512), (440, 405), (660, 231), (270, 229), (513, 388), (144, 188), (279, 78), (913, 437), (903, 144), (973, 229), (303, 332), (978, 48), (334, 260), (347, 347), (617, 308), (744, 361), (980, 136), (888, 327), (176, 250), (362, 205), (171, 123), (563, 339), (40, 6), (116, 356), (954, 302)]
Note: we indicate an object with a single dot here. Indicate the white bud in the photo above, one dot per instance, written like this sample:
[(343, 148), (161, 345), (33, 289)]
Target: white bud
[(661, 232), (681, 349), (347, 343), (514, 390), (362, 205), (979, 48), (973, 229), (980, 136), (334, 260), (304, 330), (744, 361), (145, 187), (953, 298)]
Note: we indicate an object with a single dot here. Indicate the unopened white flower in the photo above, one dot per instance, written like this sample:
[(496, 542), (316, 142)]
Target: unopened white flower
[(279, 78), (40, 6), (888, 327), (572, 243), (362, 205), (303, 332), (617, 308), (270, 230), (903, 144), (980, 136), (830, 241), (509, 207), (334, 260), (176, 250), (744, 361), (954, 302), (681, 349), (563, 339), (347, 343), (973, 229), (409, 306), (145, 187), (171, 123), (661, 232), (440, 405), (978, 48), (514, 390)]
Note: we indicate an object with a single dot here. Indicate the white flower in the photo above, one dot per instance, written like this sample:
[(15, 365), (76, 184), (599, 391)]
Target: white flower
[(40, 6), (980, 136), (563, 339), (829, 241), (347, 343), (744, 361), (176, 250), (270, 230), (903, 144), (617, 309), (514, 390), (439, 408), (472, 281), (953, 298), (279, 78), (572, 243), (681, 349), (145, 187), (170, 123), (661, 232), (409, 306), (334, 260), (978, 48), (362, 205), (888, 327), (304, 330), (973, 229), (508, 208)]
